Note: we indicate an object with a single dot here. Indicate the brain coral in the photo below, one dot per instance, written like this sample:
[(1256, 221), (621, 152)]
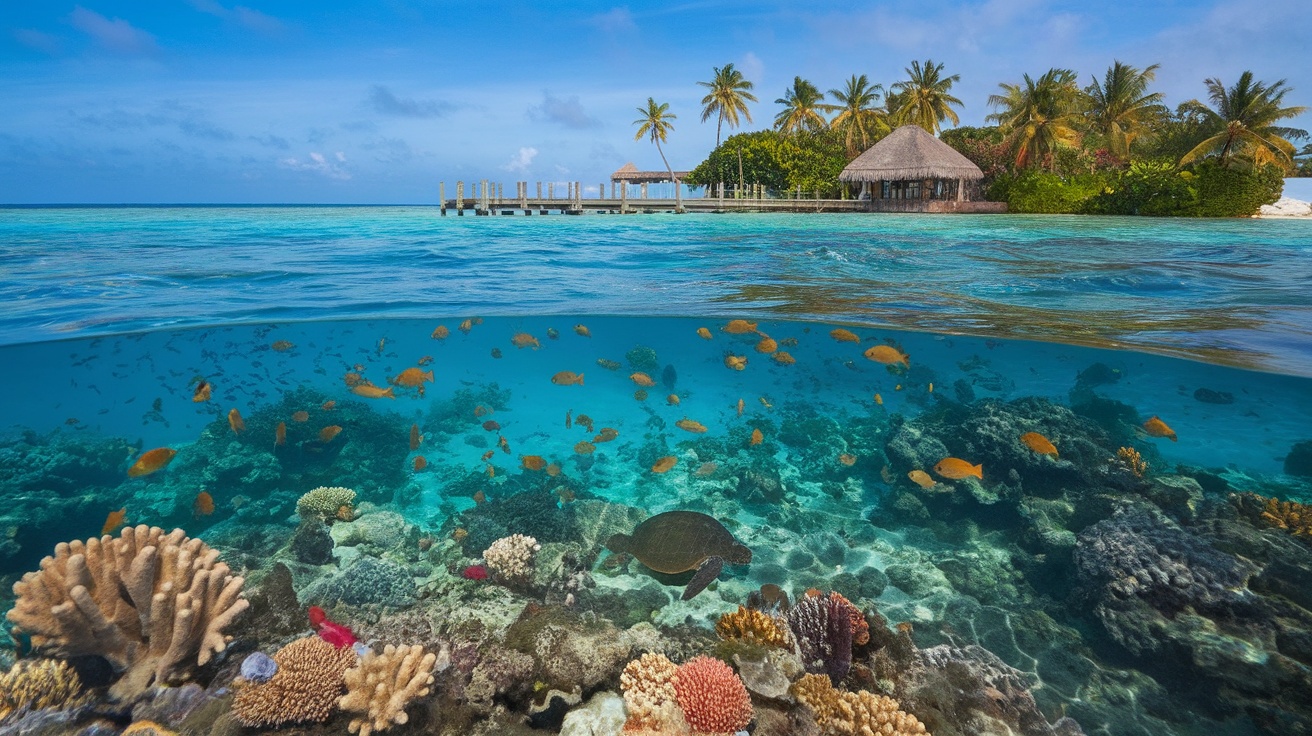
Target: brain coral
[(305, 688), (512, 557), (712, 697), (325, 502)]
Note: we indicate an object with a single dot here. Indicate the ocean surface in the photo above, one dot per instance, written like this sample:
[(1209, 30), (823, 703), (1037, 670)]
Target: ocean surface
[(1061, 465)]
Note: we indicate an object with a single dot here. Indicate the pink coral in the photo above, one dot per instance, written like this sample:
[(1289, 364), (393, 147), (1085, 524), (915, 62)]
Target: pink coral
[(712, 697)]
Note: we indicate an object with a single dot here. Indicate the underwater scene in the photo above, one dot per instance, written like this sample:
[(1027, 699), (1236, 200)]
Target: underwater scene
[(596, 525)]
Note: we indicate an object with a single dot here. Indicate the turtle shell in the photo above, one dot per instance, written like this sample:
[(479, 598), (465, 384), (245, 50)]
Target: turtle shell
[(679, 541)]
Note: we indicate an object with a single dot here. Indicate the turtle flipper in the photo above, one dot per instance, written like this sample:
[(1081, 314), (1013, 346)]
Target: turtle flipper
[(709, 571)]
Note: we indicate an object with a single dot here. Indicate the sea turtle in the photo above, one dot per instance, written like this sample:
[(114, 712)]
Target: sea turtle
[(679, 541)]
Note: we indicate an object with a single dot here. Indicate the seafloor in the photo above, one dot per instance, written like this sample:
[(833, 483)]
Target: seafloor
[(1134, 577)]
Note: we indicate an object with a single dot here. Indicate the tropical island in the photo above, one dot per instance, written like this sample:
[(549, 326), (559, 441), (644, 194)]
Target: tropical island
[(1110, 147)]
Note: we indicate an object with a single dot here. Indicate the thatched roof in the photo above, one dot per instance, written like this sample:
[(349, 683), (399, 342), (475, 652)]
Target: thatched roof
[(628, 172), (910, 153)]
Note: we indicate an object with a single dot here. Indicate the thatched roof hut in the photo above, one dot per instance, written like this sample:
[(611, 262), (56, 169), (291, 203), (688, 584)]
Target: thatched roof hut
[(910, 154), (628, 172)]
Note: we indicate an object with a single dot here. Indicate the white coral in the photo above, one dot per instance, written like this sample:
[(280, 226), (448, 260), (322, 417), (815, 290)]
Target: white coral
[(512, 557), (382, 685)]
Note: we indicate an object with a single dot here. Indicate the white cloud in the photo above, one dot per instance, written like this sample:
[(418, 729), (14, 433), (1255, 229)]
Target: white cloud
[(566, 111), (521, 161), (615, 20), (244, 16), (318, 164), (115, 35), (753, 68)]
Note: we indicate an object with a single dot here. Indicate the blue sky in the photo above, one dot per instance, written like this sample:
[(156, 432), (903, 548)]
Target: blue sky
[(348, 102)]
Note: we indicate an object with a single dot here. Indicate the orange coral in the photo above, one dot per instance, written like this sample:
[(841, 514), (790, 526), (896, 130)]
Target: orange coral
[(753, 627), (1291, 516), (1132, 461), (713, 699), (309, 679), (861, 712)]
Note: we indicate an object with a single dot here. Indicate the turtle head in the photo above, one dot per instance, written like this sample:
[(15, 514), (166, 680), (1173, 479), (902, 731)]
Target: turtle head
[(739, 554), (620, 543)]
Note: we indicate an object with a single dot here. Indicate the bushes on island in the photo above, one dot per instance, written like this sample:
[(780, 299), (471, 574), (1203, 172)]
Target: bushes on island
[(780, 161)]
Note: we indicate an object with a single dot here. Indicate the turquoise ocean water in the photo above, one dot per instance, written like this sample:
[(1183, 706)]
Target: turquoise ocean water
[(1054, 594)]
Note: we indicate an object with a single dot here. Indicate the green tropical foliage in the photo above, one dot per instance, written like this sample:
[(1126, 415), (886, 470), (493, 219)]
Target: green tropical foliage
[(782, 162), (1121, 109), (727, 99), (925, 98), (1245, 118), (859, 121), (802, 105), (1039, 116), (655, 123)]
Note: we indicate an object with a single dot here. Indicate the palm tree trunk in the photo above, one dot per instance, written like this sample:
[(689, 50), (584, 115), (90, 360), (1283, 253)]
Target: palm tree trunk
[(717, 129), (678, 199)]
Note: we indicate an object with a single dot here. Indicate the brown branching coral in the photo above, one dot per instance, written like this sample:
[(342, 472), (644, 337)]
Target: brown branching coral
[(752, 626), (1131, 460), (861, 713), (382, 685), (154, 605), (38, 683), (305, 688), (1291, 516)]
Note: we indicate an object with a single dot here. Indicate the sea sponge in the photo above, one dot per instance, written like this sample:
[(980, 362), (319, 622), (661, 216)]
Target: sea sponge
[(382, 685), (154, 605), (862, 713), (649, 696), (713, 699), (825, 628), (305, 688), (752, 626), (512, 557), (38, 683), (327, 503)]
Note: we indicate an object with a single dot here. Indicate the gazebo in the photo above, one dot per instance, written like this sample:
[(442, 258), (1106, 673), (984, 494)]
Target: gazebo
[(912, 171), (630, 173)]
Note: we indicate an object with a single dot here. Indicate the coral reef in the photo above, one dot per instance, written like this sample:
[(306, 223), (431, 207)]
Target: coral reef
[(154, 605), (512, 557), (38, 683), (381, 686), (1291, 516), (752, 626), (862, 712), (825, 628), (1131, 460), (327, 503), (711, 696), (650, 697), (305, 688), (365, 581)]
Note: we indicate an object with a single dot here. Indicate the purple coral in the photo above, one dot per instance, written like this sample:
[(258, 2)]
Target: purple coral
[(823, 627)]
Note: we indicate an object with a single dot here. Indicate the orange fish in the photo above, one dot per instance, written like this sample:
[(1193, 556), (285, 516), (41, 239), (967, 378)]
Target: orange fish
[(843, 335), (466, 326), (739, 327), (553, 470), (740, 407), (784, 358), (480, 410), (605, 435), (373, 392), (956, 469), (735, 362), (585, 448), (524, 340), (767, 346), (235, 421), (1039, 443), (642, 379), (1157, 428), (503, 444), (887, 355), (690, 426), (420, 463), (488, 455), (329, 405), (879, 399), (203, 391), (491, 425), (479, 496), (567, 378), (532, 462), (583, 331), (301, 416), (568, 422), (282, 346), (415, 438), (203, 505), (664, 464), (328, 433), (922, 479), (757, 438), (151, 461), (847, 459), (704, 333), (114, 520), (672, 399), (280, 434), (584, 421), (441, 333), (412, 378)]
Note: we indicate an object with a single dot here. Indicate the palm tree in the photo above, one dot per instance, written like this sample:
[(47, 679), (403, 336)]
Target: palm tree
[(655, 122), (857, 115), (1245, 115), (1039, 116), (925, 97), (801, 108), (1121, 109), (728, 96)]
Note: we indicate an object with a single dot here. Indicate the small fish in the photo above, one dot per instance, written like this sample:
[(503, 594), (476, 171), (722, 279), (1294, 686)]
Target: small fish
[(956, 469), (532, 462), (664, 464), (491, 473), (886, 475), (203, 505), (739, 327), (282, 346), (488, 455), (568, 421), (887, 354), (584, 421), (416, 438), (480, 497), (503, 444), (440, 333), (553, 470), (640, 394), (735, 362), (425, 361), (492, 425), (553, 333), (236, 422), (767, 346), (523, 340), (740, 407), (1157, 428), (567, 378), (280, 434), (788, 342), (466, 326), (879, 399), (609, 365), (765, 402), (1039, 443), (585, 448), (642, 379), (582, 331), (922, 479), (496, 353), (382, 341), (373, 392), (897, 387), (689, 425), (114, 521), (480, 410), (705, 469), (151, 461), (784, 358), (847, 459), (327, 434), (329, 405), (353, 379), (301, 416), (412, 378), (704, 333), (606, 434), (420, 463), (564, 494), (931, 387), (672, 400), (757, 438), (203, 391), (843, 335)]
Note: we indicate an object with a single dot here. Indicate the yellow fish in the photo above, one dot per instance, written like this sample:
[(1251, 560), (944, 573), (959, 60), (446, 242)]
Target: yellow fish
[(735, 362), (767, 346), (582, 330), (757, 437), (879, 399), (739, 327), (642, 379), (922, 479), (441, 333), (843, 335), (664, 464), (704, 333), (690, 426)]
